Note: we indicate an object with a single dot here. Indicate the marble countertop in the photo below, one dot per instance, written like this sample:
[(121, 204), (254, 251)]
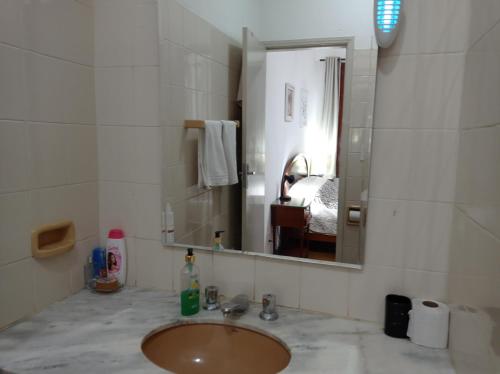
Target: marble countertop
[(93, 333)]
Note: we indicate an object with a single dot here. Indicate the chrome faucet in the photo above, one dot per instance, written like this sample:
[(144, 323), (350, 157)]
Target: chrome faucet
[(236, 306)]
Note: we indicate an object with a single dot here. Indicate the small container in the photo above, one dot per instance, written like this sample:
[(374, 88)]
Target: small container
[(116, 256), (268, 307), (396, 316), (211, 298)]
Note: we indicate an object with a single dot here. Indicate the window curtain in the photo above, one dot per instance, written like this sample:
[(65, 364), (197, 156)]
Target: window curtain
[(328, 126)]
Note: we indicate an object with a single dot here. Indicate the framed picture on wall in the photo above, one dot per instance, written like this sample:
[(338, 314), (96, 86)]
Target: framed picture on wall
[(289, 102)]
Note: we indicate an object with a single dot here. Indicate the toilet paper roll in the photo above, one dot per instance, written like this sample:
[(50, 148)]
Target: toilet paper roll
[(354, 215), (428, 325)]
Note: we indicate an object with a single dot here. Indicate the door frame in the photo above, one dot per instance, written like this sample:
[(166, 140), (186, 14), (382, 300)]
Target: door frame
[(348, 43)]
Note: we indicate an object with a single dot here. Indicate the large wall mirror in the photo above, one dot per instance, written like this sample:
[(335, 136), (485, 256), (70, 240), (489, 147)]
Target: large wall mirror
[(267, 142)]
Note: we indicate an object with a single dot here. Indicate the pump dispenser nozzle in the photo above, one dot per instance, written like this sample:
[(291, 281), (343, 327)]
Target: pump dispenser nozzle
[(218, 241)]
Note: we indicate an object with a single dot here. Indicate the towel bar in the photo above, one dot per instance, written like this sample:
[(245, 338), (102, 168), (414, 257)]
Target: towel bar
[(199, 124)]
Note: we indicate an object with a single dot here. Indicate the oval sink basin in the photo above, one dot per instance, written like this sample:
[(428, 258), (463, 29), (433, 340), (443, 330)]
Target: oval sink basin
[(212, 347)]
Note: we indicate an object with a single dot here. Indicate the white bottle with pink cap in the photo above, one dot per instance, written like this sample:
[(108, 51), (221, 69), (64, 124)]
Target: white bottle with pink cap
[(116, 256)]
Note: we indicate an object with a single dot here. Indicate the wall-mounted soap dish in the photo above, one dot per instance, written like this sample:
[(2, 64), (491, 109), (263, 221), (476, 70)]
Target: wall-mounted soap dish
[(54, 239)]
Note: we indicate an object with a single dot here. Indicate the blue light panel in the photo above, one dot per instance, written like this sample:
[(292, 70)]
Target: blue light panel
[(388, 14)]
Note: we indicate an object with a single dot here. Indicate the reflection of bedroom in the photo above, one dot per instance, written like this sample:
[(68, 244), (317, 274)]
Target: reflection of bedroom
[(304, 96)]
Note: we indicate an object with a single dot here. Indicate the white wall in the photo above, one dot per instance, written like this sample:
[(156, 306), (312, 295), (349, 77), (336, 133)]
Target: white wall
[(289, 19), (305, 19), (127, 82), (48, 150), (229, 16), (474, 278)]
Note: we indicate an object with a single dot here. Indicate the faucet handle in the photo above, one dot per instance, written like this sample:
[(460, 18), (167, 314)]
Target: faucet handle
[(268, 308)]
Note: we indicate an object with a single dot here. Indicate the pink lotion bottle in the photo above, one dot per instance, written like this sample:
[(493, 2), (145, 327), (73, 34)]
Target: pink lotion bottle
[(116, 256)]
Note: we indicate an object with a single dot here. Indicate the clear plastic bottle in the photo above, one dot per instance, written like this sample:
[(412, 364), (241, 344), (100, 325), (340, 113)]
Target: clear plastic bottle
[(190, 286)]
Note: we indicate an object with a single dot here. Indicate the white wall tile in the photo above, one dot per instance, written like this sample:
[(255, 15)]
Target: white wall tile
[(425, 168), (115, 96), (172, 29), (15, 227), (16, 291), (117, 153), (154, 265), (48, 155), (146, 95), (148, 211), (113, 37), (368, 288), (324, 289), (59, 91), (395, 92), (14, 156), (280, 278), (80, 144), (148, 162), (131, 261), (12, 89), (76, 202), (438, 97), (83, 208), (425, 284), (60, 28), (175, 63), (51, 279), (145, 45), (478, 180), (474, 251), (409, 234), (11, 22), (234, 274), (116, 208)]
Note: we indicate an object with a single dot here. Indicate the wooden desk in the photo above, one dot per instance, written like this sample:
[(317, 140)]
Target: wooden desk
[(293, 214)]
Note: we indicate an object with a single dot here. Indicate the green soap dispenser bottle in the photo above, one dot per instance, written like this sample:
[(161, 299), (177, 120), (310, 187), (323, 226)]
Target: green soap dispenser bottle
[(218, 241), (190, 286)]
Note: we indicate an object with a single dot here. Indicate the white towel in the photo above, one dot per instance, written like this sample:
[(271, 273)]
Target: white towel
[(229, 143), (212, 167)]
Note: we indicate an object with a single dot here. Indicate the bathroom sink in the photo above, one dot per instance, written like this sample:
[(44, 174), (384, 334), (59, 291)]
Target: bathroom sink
[(215, 347)]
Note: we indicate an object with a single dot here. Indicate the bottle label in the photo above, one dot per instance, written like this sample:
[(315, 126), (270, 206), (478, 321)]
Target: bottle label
[(190, 301), (114, 261)]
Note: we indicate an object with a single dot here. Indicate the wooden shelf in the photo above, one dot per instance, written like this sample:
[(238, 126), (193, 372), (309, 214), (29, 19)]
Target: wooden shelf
[(199, 124)]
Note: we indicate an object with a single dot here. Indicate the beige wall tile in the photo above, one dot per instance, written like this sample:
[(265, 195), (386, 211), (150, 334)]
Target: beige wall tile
[(47, 147), (16, 291), (15, 227), (368, 288), (147, 210), (12, 89), (52, 279), (11, 23), (154, 265), (61, 29), (65, 104), (116, 208), (280, 278), (234, 274), (113, 40), (324, 289), (14, 156), (114, 96)]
